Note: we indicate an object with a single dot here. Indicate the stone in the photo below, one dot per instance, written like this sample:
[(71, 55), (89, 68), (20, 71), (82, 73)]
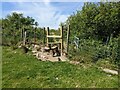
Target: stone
[(110, 71)]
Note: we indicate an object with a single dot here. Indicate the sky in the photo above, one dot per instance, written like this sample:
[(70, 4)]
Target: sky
[(48, 13)]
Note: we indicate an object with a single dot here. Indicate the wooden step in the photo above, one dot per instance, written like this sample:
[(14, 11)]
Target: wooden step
[(53, 36)]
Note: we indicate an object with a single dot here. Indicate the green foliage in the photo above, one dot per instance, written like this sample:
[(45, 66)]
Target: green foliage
[(106, 51), (14, 25), (85, 52), (118, 52), (105, 63), (96, 20), (97, 27), (92, 51)]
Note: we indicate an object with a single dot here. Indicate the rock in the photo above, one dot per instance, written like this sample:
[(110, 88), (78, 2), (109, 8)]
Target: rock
[(36, 46), (44, 57), (59, 59), (74, 62), (47, 49), (37, 55), (54, 47), (42, 49), (19, 46), (111, 71), (34, 51)]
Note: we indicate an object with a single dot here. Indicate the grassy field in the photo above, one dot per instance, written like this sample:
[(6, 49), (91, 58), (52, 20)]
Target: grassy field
[(25, 71)]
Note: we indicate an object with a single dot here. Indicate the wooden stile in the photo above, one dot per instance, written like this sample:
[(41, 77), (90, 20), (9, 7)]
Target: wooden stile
[(55, 36)]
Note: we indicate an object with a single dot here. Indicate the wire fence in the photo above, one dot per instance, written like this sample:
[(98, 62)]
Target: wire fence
[(76, 41)]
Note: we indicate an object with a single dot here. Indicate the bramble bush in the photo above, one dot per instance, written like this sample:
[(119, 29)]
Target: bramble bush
[(97, 27), (92, 51)]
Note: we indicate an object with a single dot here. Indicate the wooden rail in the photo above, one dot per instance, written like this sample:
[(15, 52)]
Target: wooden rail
[(56, 36), (53, 36)]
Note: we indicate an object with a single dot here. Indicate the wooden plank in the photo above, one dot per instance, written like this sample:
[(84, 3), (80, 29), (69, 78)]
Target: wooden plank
[(54, 42), (53, 36)]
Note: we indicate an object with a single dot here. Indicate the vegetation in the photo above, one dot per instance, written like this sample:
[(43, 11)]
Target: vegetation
[(13, 27), (25, 71), (97, 27)]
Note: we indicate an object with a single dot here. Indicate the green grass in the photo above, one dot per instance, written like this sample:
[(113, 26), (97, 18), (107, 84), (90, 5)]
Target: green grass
[(25, 71)]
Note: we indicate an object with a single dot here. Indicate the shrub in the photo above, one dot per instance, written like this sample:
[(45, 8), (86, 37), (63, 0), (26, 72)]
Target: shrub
[(92, 51), (117, 59), (106, 51)]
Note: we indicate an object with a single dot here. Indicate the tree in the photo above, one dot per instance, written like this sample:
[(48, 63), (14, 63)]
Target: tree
[(97, 26), (96, 20), (13, 27)]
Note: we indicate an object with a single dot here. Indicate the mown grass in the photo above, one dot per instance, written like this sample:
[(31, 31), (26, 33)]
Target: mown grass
[(25, 71)]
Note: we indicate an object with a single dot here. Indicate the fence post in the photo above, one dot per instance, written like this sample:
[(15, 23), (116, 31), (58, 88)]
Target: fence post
[(47, 35), (61, 40), (68, 33), (24, 38), (35, 35), (44, 36), (23, 34)]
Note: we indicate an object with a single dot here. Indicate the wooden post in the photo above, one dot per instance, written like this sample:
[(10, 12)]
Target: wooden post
[(24, 38), (68, 33), (61, 40), (23, 35), (35, 35), (47, 35), (44, 36)]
